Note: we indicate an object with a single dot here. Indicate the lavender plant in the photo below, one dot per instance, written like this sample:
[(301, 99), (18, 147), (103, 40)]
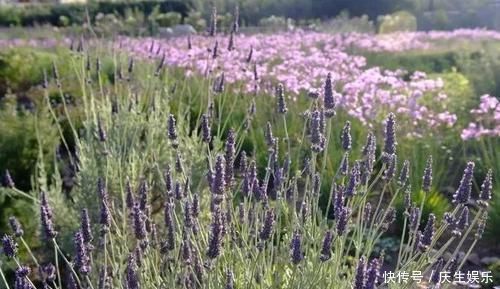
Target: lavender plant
[(165, 204)]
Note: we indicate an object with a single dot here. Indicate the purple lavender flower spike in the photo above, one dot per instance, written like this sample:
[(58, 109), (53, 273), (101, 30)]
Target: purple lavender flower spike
[(449, 219), (339, 201), (404, 174), (85, 227), (427, 178), (428, 234), (229, 280), (480, 227), (216, 234), (407, 199), (9, 246), (344, 165), (453, 266), (418, 241), (390, 171), (219, 182), (270, 139), (343, 220), (354, 179), (486, 188), (230, 45), (70, 281), (16, 227), (82, 259), (188, 215), (296, 253), (329, 97), (130, 68), (389, 218), (7, 180), (205, 129), (46, 218), (169, 223), (436, 270), (360, 278), (367, 213), (132, 276), (160, 66), (256, 191), (102, 190), (316, 184), (130, 200), (462, 222), (49, 272), (101, 131), (219, 84), (390, 138), (105, 217), (326, 249), (280, 95), (462, 195), (178, 191), (345, 137), (304, 211), (372, 274), (186, 249), (143, 194), (168, 179), (243, 163), (195, 208), (172, 131), (368, 158), (139, 223), (267, 228), (250, 55), (414, 218), (317, 138), (230, 152), (22, 281)]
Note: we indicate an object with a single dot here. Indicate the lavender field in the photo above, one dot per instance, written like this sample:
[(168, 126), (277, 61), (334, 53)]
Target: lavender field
[(238, 158)]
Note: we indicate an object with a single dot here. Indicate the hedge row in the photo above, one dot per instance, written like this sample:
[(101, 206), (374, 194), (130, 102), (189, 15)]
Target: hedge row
[(30, 15)]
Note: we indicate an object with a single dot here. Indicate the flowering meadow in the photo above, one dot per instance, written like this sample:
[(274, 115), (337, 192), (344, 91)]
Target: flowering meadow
[(249, 161)]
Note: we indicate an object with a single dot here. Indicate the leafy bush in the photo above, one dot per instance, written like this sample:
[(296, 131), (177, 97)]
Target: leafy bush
[(480, 65), (168, 19), (343, 23), (17, 71), (196, 20), (76, 14), (274, 23), (401, 21)]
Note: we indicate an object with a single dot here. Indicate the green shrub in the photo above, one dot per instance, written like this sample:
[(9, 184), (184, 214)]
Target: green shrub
[(168, 19), (343, 23), (30, 15), (401, 21), (10, 16), (196, 20), (273, 23), (20, 144), (17, 71), (426, 61), (460, 92)]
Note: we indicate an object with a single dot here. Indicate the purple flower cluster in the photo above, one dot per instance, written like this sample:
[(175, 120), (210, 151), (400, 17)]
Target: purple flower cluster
[(486, 119), (366, 92)]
